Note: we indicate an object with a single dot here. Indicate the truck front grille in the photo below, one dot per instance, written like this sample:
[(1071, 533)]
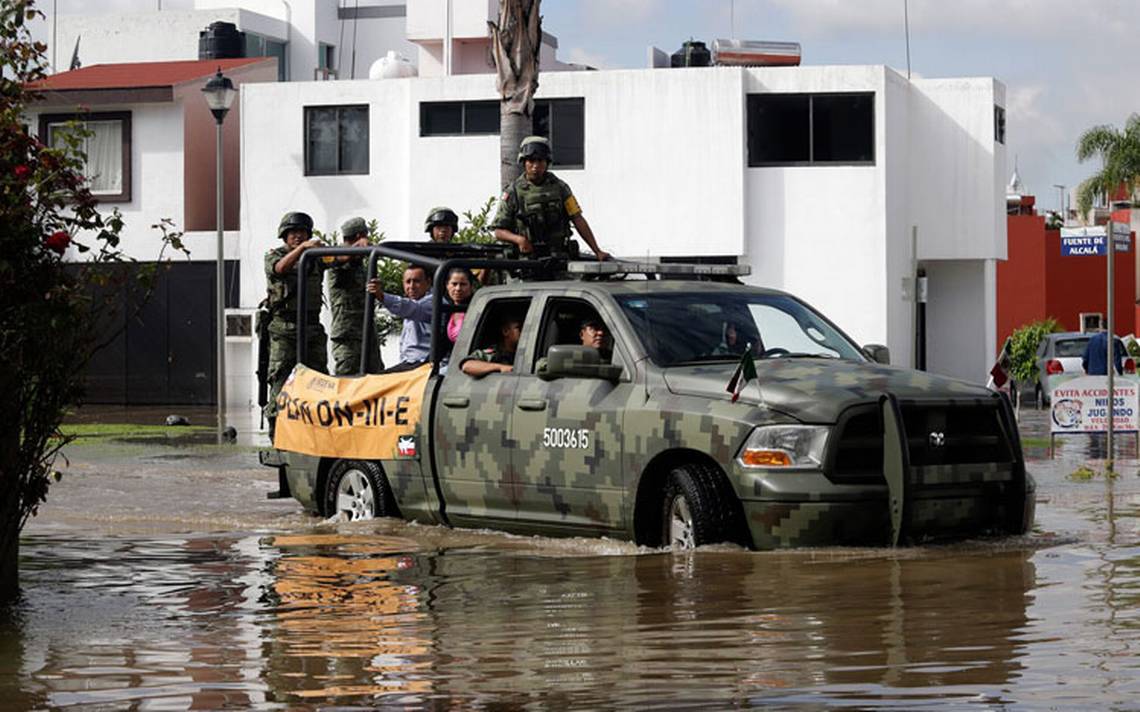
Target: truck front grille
[(938, 433)]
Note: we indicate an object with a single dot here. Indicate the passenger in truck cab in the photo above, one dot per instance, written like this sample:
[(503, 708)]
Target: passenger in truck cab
[(500, 357)]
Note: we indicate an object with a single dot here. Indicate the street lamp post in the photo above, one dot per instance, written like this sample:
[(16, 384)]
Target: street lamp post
[(1061, 210), (219, 92)]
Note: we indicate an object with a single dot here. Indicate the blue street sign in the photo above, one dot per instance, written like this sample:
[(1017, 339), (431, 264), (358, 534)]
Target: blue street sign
[(1121, 237), (1084, 245)]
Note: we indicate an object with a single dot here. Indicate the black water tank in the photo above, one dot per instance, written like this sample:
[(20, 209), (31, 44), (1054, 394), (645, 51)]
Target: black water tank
[(691, 54), (221, 40)]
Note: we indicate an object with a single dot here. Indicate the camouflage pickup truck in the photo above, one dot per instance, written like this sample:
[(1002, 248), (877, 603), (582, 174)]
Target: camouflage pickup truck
[(640, 439)]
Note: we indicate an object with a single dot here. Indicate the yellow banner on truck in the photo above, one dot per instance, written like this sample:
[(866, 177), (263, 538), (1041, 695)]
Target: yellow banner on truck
[(367, 417)]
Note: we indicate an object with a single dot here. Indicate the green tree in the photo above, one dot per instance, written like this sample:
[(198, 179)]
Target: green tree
[(477, 231), (49, 325), (1023, 347), (1119, 152)]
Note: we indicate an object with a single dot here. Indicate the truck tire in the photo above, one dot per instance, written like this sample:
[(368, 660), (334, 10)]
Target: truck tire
[(698, 508), (356, 490)]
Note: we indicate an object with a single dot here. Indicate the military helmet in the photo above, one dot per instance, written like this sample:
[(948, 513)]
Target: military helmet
[(536, 147), (352, 227), (441, 216), (294, 221)]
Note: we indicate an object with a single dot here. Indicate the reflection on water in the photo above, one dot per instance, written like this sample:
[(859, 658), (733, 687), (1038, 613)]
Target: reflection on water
[(368, 618), (358, 616)]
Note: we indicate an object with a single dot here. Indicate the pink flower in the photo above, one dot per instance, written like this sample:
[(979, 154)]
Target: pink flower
[(58, 241)]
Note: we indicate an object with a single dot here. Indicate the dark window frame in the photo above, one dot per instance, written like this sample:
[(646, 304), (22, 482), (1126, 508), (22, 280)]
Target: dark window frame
[(124, 117), (811, 161), (426, 106), (548, 104), (338, 171), (999, 124), (558, 164)]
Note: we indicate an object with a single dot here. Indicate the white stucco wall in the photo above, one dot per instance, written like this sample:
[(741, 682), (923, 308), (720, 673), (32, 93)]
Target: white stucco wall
[(666, 174), (959, 314), (156, 176)]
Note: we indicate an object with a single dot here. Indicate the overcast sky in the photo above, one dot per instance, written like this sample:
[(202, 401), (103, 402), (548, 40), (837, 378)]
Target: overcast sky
[(1066, 65)]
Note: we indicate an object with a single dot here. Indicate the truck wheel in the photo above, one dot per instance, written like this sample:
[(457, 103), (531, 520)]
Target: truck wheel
[(357, 489), (698, 508)]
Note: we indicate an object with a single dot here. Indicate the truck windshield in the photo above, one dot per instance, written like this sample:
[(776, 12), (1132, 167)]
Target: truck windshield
[(682, 329)]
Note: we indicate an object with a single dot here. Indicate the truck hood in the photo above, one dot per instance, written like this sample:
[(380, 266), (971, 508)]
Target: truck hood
[(817, 390)]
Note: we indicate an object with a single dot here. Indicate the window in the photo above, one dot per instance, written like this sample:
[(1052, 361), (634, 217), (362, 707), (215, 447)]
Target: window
[(999, 124), (259, 46), (326, 61), (336, 140), (560, 120), (459, 118), (806, 129), (105, 139), (565, 323), (563, 121)]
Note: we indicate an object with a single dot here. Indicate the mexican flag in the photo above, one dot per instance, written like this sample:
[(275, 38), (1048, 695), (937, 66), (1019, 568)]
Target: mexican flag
[(745, 372)]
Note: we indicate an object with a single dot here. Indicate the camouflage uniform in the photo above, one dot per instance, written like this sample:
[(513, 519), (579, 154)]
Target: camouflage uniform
[(282, 298), (346, 281), (540, 212), (492, 354)]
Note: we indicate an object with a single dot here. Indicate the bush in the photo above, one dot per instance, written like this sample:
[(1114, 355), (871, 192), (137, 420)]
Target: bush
[(1023, 347)]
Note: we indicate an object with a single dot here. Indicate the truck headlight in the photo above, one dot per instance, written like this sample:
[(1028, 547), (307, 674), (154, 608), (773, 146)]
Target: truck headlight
[(784, 446)]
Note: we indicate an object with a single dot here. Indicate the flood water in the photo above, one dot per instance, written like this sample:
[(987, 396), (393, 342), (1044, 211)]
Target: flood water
[(161, 578)]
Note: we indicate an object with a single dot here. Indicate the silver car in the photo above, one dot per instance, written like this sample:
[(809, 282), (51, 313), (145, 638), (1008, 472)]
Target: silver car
[(1058, 355)]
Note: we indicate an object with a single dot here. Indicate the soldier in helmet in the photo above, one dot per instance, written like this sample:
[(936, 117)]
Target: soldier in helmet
[(536, 210), (441, 224), (346, 299), (296, 233)]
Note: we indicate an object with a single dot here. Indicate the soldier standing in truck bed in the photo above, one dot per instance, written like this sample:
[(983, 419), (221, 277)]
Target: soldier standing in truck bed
[(346, 299), (536, 210), (296, 231)]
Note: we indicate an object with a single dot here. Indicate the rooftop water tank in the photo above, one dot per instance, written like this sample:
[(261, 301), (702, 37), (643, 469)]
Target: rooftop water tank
[(221, 40), (392, 66), (751, 53), (691, 54)]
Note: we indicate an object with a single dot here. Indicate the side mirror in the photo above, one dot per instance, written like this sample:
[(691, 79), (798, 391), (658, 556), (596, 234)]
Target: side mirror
[(878, 353), (566, 361)]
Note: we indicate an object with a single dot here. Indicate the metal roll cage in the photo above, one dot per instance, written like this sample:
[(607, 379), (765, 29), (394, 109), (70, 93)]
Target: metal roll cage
[(445, 259)]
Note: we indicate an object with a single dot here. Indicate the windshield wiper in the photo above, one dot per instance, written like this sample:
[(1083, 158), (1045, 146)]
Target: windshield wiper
[(799, 354)]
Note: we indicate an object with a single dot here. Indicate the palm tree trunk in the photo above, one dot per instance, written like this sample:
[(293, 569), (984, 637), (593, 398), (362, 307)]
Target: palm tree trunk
[(515, 43), (513, 128)]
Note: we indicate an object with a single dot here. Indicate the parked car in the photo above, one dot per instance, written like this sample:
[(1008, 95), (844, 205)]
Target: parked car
[(1059, 356)]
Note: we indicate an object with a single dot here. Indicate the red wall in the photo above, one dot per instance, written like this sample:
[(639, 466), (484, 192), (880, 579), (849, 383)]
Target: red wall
[(1036, 281)]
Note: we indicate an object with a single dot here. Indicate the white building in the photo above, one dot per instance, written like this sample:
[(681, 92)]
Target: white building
[(837, 184), (893, 176)]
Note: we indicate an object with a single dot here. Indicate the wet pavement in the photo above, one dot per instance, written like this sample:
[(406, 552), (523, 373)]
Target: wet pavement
[(158, 576)]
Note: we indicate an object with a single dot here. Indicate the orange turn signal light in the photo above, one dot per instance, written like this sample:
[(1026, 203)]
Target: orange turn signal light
[(765, 458)]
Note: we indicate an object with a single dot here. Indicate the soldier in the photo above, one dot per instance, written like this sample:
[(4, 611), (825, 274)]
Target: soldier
[(441, 224), (346, 298), (499, 358), (296, 230), (536, 210)]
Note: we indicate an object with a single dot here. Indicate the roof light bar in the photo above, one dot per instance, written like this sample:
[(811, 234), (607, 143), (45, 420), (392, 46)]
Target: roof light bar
[(669, 268)]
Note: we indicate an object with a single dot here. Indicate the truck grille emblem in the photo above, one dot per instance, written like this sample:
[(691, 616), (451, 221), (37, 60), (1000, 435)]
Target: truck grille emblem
[(937, 439)]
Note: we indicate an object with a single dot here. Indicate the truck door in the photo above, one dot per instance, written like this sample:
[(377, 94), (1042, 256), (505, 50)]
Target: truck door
[(472, 425), (568, 430)]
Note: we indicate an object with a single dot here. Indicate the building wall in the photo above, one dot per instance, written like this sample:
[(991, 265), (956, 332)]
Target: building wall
[(958, 297), (666, 174), (1022, 276), (1037, 282), (200, 156), (156, 173)]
